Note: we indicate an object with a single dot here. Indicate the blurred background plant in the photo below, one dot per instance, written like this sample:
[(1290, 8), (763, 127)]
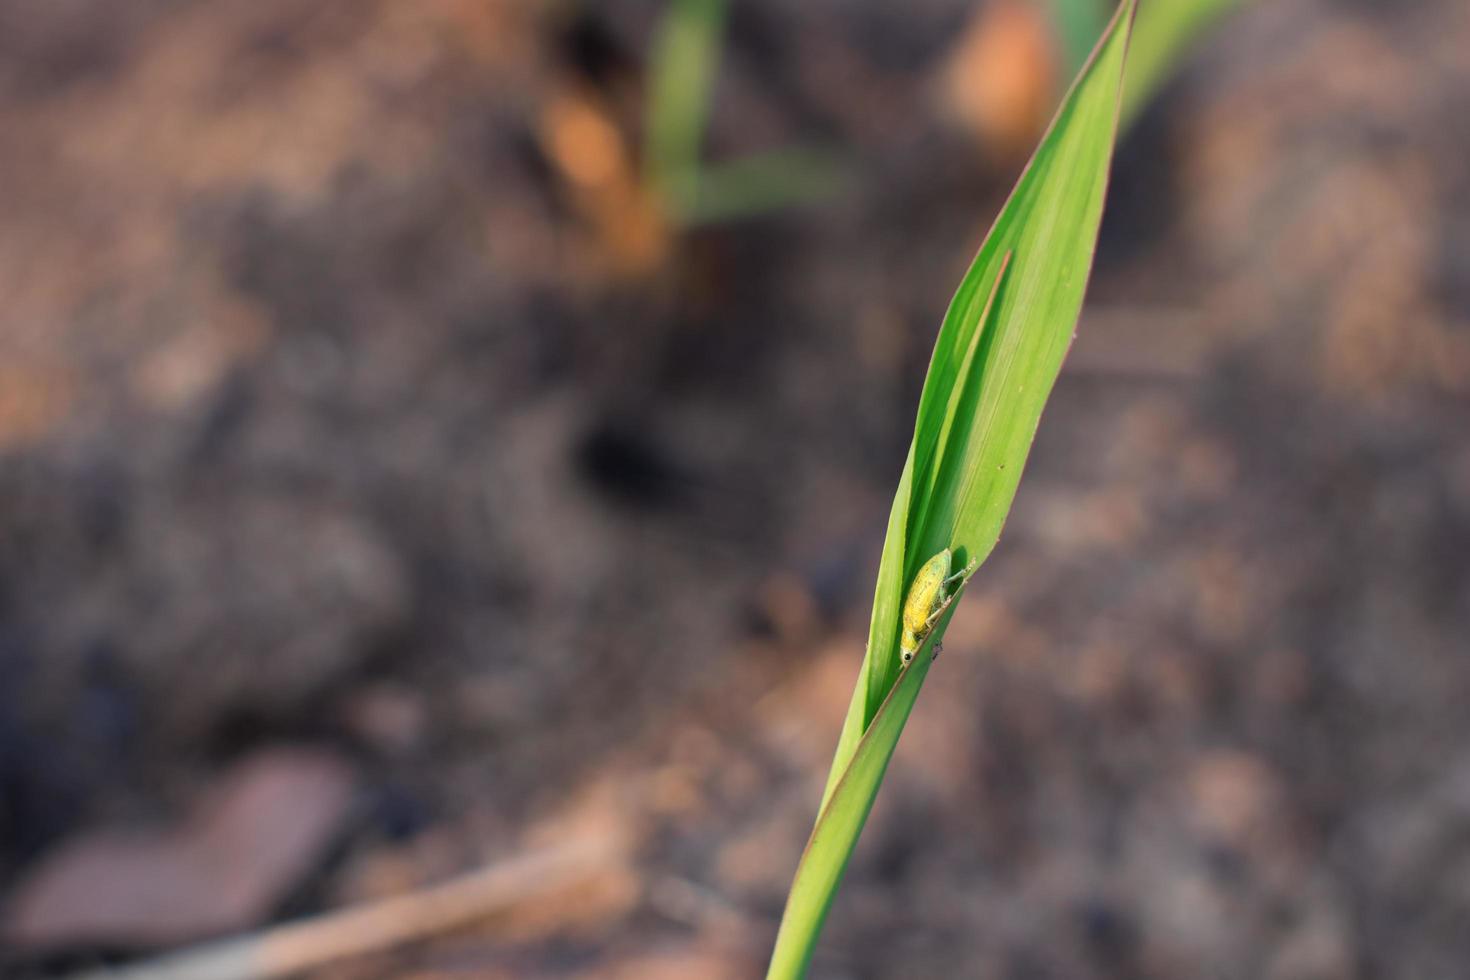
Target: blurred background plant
[(684, 64), (1162, 37), (684, 61)]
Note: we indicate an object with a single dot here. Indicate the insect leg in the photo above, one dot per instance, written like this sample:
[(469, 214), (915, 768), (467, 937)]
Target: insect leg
[(961, 575)]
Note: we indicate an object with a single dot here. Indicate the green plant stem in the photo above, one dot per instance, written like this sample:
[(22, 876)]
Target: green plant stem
[(996, 358)]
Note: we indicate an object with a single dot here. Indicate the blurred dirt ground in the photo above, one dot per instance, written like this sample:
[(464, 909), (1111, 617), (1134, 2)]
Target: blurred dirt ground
[(355, 401)]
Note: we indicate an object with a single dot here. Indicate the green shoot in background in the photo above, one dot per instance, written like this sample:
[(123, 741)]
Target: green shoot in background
[(997, 356), (683, 63), (1164, 31)]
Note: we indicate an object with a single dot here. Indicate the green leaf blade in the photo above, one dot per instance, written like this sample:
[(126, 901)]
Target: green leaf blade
[(839, 823), (997, 356), (1050, 226), (683, 63)]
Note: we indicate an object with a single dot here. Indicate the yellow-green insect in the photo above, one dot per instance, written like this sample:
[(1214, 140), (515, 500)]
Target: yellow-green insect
[(933, 590)]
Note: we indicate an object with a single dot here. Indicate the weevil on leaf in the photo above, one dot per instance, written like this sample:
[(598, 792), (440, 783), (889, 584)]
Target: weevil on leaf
[(933, 590)]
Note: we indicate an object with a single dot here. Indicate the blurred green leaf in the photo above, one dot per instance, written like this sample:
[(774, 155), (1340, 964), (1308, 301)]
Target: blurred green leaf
[(682, 67), (1162, 33), (764, 182), (1078, 24), (1165, 29), (683, 63), (997, 356)]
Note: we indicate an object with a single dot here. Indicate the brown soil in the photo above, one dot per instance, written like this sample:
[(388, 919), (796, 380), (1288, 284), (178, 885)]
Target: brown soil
[(342, 403)]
